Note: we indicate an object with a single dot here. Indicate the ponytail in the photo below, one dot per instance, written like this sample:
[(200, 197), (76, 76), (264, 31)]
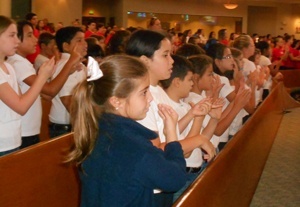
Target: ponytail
[(85, 114), (90, 100)]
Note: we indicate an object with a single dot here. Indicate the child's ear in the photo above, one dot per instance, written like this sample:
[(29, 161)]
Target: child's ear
[(176, 82), (145, 60), (66, 47), (116, 102)]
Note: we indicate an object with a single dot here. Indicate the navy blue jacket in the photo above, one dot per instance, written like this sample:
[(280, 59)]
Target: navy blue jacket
[(125, 167)]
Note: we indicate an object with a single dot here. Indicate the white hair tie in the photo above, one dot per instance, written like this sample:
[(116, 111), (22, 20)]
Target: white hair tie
[(93, 70)]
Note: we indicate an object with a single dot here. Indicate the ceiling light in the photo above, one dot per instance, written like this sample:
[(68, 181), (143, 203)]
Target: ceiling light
[(230, 6)]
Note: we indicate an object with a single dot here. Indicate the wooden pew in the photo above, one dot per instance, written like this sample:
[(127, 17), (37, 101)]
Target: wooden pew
[(37, 177), (231, 179)]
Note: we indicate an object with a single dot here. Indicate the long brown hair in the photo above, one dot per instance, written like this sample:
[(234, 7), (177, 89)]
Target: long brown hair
[(91, 99), (5, 22)]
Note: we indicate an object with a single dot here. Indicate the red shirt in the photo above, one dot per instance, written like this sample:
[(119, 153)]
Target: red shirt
[(277, 53)]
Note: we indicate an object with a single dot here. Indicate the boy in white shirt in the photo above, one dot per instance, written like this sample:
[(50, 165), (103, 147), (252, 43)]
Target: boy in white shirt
[(67, 39), (178, 87), (47, 45), (26, 76)]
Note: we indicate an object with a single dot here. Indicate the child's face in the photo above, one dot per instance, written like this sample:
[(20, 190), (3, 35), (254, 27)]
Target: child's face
[(79, 42), (92, 26), (49, 48), (136, 105), (186, 85), (9, 41), (240, 62), (28, 45), (227, 62), (257, 59), (160, 65), (205, 82)]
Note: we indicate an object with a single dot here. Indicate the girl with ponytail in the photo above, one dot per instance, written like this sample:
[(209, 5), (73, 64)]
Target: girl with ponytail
[(119, 166)]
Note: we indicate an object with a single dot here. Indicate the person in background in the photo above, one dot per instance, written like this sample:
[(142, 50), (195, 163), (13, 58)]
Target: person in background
[(91, 29), (223, 37), (33, 19), (47, 44), (154, 24)]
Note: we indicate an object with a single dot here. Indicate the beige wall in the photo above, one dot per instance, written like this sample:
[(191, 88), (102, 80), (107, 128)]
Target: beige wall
[(286, 19), (5, 8), (184, 7), (64, 11)]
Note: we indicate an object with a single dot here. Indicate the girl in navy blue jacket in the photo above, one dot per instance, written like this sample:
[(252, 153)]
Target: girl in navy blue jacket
[(119, 166)]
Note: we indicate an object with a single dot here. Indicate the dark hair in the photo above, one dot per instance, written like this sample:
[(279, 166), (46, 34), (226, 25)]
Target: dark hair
[(200, 63), (262, 46), (98, 37), (189, 49), (20, 28), (181, 67), (29, 16), (91, 40), (90, 22), (45, 38), (231, 37), (118, 42), (199, 31), (216, 51), (144, 42), (221, 34), (95, 50), (193, 40), (152, 21), (211, 34), (287, 37), (66, 34)]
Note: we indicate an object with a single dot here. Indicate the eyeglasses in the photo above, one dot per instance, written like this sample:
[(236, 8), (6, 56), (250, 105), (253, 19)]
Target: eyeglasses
[(227, 57)]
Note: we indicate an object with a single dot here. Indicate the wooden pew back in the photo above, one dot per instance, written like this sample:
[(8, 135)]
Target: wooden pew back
[(36, 176), (231, 179)]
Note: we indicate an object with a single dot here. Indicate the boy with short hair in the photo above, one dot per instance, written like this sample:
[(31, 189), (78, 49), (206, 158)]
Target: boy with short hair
[(67, 39), (178, 87), (47, 45), (26, 75)]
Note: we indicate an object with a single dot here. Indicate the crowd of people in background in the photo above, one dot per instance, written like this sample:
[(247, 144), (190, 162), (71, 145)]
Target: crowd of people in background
[(165, 104)]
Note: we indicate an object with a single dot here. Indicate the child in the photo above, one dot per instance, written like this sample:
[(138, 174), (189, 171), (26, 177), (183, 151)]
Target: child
[(237, 75), (12, 103), (261, 78), (154, 49), (120, 166), (68, 39), (47, 45), (26, 75), (177, 88), (203, 79)]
